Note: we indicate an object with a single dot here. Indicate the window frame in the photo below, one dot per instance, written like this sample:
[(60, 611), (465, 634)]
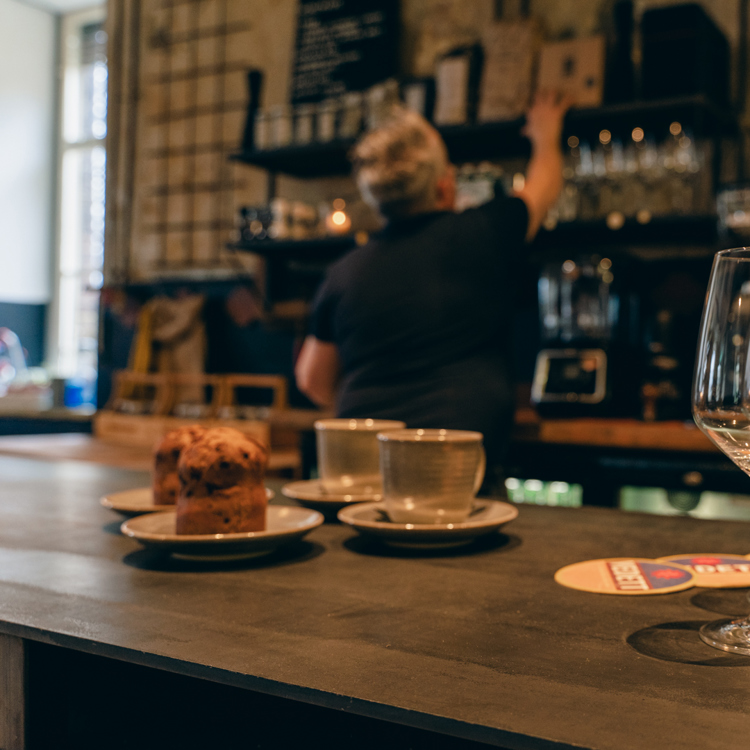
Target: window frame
[(70, 25)]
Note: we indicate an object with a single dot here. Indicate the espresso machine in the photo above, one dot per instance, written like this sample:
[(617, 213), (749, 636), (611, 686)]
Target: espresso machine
[(589, 363)]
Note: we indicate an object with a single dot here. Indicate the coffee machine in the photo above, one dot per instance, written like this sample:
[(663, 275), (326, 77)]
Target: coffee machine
[(588, 364)]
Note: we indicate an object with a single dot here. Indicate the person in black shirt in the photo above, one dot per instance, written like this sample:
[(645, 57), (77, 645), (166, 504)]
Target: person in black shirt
[(416, 324)]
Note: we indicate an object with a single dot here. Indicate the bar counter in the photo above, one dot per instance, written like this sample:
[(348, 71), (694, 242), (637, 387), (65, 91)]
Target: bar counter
[(475, 645), (671, 435)]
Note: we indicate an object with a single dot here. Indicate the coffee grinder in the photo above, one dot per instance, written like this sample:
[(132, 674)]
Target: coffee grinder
[(588, 364)]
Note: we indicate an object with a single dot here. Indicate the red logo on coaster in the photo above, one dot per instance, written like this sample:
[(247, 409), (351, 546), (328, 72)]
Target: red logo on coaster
[(668, 573), (704, 560), (632, 575), (715, 570)]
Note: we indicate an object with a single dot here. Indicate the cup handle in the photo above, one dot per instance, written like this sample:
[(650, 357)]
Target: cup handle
[(481, 468)]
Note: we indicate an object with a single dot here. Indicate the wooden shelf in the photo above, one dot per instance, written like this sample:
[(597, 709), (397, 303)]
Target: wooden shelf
[(324, 248), (315, 160), (661, 230), (478, 142), (696, 113), (611, 433), (193, 282)]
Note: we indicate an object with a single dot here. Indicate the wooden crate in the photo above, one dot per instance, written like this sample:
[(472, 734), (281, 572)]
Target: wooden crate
[(145, 430), (128, 429)]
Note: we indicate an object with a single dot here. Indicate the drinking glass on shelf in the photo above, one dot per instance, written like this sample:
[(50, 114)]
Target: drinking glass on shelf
[(721, 393), (586, 184)]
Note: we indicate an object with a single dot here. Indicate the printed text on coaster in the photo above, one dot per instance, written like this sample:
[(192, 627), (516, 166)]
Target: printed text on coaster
[(626, 576)]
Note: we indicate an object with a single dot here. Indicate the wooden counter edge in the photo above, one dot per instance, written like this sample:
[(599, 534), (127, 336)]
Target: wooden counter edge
[(670, 435)]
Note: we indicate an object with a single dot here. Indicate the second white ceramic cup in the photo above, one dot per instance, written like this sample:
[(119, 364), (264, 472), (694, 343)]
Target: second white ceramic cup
[(430, 476)]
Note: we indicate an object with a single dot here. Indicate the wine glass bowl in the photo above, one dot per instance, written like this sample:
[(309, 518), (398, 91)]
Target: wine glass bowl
[(721, 392)]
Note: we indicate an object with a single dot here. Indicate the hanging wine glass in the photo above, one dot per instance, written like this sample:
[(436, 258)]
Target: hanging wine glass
[(721, 393)]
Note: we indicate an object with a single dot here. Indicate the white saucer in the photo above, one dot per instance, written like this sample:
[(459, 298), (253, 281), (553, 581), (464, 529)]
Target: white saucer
[(136, 502), (284, 524), (370, 519), (310, 492)]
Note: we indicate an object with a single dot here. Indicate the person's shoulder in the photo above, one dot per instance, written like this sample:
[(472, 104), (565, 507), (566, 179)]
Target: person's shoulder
[(354, 258), (500, 204), (504, 215)]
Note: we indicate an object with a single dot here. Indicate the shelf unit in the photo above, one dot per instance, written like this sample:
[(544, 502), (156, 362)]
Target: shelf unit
[(697, 114), (479, 142), (323, 248), (314, 160), (663, 231), (660, 230)]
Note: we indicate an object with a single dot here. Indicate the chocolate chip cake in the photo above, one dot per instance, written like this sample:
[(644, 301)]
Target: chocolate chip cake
[(221, 484), (166, 456)]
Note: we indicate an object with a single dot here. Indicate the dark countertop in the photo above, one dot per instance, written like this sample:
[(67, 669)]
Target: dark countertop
[(480, 644)]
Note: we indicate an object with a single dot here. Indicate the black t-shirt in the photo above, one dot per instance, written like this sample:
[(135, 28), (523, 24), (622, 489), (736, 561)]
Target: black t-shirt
[(421, 318)]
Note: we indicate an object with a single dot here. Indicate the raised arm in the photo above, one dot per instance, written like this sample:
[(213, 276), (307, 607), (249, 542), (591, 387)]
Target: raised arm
[(317, 371), (544, 175)]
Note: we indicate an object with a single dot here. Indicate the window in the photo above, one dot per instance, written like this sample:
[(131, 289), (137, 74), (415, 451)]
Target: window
[(81, 199)]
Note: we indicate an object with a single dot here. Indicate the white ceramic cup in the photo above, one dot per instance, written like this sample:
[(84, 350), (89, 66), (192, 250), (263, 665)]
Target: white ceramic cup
[(430, 476), (348, 454)]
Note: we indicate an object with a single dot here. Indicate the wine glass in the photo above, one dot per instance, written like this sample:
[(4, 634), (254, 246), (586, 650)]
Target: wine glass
[(721, 393)]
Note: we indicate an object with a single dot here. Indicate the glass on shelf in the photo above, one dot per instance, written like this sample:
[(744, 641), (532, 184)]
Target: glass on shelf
[(567, 207), (304, 124), (635, 179), (350, 122), (305, 223), (577, 300), (288, 220), (281, 221), (253, 223), (585, 180), (281, 125), (380, 100), (733, 206), (476, 184), (326, 118)]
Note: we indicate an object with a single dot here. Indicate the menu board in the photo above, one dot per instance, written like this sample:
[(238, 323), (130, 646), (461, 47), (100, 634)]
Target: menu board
[(343, 45)]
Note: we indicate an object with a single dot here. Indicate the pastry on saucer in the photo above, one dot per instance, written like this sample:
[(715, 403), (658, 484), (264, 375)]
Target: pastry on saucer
[(221, 484)]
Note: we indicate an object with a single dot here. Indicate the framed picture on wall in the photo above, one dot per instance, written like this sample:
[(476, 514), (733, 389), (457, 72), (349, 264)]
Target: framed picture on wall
[(456, 85), (576, 68)]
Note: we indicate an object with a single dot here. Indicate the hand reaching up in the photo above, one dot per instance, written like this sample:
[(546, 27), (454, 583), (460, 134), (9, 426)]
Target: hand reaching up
[(543, 128), (544, 120)]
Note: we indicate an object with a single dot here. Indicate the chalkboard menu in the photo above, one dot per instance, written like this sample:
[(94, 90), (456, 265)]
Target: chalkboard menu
[(343, 45)]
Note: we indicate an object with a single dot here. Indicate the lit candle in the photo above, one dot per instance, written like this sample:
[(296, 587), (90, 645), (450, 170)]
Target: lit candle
[(338, 221)]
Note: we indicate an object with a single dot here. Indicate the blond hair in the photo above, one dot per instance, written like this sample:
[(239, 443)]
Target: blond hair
[(397, 165)]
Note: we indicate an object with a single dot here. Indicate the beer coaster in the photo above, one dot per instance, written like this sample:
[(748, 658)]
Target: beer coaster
[(626, 576), (715, 571)]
